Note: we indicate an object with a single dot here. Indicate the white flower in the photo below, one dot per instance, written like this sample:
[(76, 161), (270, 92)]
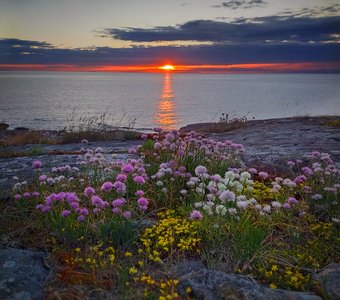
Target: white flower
[(242, 204), (183, 192), (250, 189), (221, 210), (252, 201), (232, 211), (208, 209), (159, 183), (276, 204), (210, 197), (227, 196), (317, 197), (200, 170), (198, 204), (200, 190), (245, 175), (267, 208), (241, 198), (238, 186), (278, 179), (221, 186), (229, 175)]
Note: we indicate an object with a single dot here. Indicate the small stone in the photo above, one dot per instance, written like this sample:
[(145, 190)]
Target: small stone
[(22, 274), (3, 126), (9, 264), (328, 279), (24, 295), (217, 285)]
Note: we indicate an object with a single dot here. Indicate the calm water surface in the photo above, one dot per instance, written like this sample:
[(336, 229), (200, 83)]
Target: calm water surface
[(54, 100)]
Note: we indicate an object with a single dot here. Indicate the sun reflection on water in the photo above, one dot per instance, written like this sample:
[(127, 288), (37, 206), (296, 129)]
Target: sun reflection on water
[(165, 116)]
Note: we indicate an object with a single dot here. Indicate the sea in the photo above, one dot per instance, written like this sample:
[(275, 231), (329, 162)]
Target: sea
[(141, 101)]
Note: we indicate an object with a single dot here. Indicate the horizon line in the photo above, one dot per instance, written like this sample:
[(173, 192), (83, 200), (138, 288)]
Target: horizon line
[(251, 68)]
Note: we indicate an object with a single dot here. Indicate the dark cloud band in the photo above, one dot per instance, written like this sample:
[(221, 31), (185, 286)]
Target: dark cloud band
[(28, 52), (272, 29)]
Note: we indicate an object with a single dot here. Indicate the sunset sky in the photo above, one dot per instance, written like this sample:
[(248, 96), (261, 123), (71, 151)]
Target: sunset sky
[(193, 35)]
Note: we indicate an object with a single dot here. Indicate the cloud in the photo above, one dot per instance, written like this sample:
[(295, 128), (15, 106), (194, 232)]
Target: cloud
[(306, 36), (244, 4), (30, 53), (275, 29), (316, 12)]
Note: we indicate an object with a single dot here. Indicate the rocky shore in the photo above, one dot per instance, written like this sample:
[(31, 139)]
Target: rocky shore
[(268, 143)]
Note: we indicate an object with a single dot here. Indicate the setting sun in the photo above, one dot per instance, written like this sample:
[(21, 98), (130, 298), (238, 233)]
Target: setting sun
[(167, 68)]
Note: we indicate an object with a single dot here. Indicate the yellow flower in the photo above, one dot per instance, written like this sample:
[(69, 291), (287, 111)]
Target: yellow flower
[(274, 268), (140, 263), (273, 286), (77, 250), (128, 254), (133, 271)]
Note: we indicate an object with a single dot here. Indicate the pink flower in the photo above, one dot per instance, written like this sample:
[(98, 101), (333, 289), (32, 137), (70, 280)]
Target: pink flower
[(263, 175), (96, 210), (84, 211), (116, 210), (144, 136), (89, 191), (291, 163), (157, 146), (143, 203), (120, 187), (81, 218), (17, 197), (132, 151), (27, 195), (37, 164), (307, 171), (140, 193), (127, 214), (118, 202), (42, 178), (97, 201), (121, 178), (286, 206), (292, 200), (107, 186), (252, 171), (127, 168), (99, 150), (300, 179), (65, 213), (139, 179), (196, 215)]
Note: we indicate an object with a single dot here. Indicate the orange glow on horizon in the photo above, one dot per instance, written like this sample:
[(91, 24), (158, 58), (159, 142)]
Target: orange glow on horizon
[(230, 68)]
